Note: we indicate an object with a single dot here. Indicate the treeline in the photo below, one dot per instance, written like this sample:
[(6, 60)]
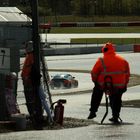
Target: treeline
[(84, 7), (91, 7)]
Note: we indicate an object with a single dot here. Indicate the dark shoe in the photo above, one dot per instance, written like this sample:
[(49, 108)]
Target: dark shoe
[(114, 120), (37, 126), (92, 115)]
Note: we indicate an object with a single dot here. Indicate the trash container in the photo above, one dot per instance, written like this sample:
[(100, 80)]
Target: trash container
[(10, 93), (20, 120)]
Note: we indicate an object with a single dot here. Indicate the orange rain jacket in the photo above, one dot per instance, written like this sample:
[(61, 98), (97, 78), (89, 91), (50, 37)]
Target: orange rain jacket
[(113, 65), (27, 66)]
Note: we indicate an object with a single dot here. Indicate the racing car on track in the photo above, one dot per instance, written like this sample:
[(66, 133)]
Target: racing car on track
[(63, 81)]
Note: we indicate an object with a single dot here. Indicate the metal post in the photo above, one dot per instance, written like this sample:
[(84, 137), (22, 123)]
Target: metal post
[(35, 35), (36, 47)]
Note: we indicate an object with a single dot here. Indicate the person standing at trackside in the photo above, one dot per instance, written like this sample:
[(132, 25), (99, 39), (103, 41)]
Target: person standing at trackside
[(111, 64), (30, 82)]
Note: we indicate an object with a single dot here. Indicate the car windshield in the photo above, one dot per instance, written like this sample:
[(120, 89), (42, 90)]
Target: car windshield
[(62, 76)]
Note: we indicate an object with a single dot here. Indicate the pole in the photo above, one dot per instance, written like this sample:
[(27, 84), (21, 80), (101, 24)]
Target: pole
[(36, 47), (35, 34)]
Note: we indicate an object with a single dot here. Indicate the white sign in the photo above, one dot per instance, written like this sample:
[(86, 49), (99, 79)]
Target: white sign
[(4, 60)]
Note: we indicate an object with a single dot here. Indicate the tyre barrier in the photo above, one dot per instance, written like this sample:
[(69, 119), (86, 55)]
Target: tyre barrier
[(85, 24), (95, 24), (68, 24)]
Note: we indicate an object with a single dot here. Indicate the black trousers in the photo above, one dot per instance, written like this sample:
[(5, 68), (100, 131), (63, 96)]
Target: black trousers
[(96, 98), (33, 102), (115, 100), (29, 96)]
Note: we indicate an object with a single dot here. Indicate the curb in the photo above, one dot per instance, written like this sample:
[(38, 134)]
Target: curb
[(73, 92)]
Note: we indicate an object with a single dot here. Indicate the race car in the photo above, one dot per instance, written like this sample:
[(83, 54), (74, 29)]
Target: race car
[(63, 81)]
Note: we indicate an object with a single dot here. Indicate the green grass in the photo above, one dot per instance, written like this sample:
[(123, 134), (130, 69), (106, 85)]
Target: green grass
[(100, 30), (94, 18), (95, 30), (118, 41)]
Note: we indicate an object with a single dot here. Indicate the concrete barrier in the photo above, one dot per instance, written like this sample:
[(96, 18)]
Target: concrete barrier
[(83, 50), (68, 51), (122, 48)]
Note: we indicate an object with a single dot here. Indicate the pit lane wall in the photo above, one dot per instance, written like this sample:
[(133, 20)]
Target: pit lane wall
[(84, 50)]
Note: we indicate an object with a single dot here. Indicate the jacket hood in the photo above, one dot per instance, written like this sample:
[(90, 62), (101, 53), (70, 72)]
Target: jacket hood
[(108, 48), (29, 46)]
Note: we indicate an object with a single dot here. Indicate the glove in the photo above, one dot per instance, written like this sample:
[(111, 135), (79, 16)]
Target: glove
[(124, 89), (96, 84)]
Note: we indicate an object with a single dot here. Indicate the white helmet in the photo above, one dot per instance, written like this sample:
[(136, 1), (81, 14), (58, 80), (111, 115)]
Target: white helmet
[(29, 46)]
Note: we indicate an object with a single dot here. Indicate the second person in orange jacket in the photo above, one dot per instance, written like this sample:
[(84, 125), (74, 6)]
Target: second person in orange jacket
[(30, 82)]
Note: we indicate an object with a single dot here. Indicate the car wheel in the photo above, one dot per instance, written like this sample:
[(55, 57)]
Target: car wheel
[(57, 84), (69, 85), (61, 84), (76, 85), (51, 86)]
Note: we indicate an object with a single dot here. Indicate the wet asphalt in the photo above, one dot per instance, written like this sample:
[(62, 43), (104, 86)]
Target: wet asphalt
[(78, 107)]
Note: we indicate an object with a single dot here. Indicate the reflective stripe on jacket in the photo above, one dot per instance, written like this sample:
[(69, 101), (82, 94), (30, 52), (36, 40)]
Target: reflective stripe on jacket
[(114, 66)]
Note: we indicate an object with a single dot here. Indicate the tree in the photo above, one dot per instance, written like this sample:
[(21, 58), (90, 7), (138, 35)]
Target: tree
[(83, 7)]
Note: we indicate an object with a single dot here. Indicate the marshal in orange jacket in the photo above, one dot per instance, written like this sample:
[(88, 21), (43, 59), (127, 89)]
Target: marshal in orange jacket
[(112, 65), (25, 74)]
